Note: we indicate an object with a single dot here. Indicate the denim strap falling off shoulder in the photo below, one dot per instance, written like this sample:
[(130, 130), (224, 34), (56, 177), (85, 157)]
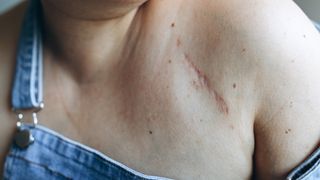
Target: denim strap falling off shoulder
[(27, 90)]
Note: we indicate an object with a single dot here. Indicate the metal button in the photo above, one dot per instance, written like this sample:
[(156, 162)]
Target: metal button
[(23, 138)]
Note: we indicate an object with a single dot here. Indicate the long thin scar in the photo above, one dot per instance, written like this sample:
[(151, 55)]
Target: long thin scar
[(204, 82)]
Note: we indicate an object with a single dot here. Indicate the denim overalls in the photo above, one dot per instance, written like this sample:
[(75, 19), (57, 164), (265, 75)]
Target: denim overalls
[(40, 153)]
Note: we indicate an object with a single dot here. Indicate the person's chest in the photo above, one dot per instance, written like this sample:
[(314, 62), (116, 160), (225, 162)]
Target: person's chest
[(166, 112), (162, 116)]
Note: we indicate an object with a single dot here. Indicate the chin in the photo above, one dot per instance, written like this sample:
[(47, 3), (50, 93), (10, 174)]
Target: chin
[(94, 9)]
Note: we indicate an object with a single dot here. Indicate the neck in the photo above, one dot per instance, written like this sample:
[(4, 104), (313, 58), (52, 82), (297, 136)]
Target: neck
[(86, 46)]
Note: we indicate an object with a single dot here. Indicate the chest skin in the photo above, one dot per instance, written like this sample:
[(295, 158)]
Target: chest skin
[(171, 107)]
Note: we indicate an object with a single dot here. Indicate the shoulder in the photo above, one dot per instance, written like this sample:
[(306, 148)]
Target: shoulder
[(275, 46), (265, 26), (272, 40), (283, 51), (261, 32)]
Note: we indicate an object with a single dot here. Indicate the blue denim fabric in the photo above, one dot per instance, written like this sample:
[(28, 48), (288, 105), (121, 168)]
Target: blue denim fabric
[(52, 156), (317, 25), (27, 86), (308, 170)]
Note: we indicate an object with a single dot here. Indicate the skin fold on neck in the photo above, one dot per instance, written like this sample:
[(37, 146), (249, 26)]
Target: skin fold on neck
[(86, 41)]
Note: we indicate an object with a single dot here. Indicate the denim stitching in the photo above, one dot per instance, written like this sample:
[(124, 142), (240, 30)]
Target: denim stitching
[(127, 173), (38, 164), (97, 157)]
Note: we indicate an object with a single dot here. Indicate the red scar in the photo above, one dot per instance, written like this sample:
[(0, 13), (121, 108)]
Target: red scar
[(205, 83)]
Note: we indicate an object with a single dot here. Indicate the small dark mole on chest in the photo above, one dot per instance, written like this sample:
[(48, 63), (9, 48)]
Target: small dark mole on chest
[(234, 85), (288, 131), (173, 24), (169, 61), (150, 132)]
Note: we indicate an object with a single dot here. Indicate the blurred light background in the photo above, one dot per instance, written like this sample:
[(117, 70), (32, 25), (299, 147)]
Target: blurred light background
[(311, 8)]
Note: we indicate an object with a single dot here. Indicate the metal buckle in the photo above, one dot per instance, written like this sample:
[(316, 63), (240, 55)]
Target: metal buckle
[(24, 137), (35, 112)]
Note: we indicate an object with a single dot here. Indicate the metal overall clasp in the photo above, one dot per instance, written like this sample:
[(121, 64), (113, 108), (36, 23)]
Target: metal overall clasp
[(23, 137)]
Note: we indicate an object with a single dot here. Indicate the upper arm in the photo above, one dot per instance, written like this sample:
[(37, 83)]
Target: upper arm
[(287, 124)]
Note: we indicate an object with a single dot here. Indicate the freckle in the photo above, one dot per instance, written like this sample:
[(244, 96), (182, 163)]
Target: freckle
[(178, 42), (201, 120), (287, 131), (195, 84), (244, 50), (186, 56), (292, 61), (173, 24), (150, 132), (234, 85), (291, 104), (169, 61), (304, 36), (232, 127)]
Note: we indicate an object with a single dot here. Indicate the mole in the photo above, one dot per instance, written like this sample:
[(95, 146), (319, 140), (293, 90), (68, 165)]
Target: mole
[(291, 104), (287, 131), (234, 85), (178, 42), (173, 24), (150, 132)]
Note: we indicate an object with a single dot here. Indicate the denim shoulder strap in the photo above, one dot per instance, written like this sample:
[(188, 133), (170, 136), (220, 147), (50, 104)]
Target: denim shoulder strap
[(27, 85), (308, 170)]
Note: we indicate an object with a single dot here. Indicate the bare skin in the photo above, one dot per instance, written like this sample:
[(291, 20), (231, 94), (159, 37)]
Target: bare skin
[(181, 89)]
